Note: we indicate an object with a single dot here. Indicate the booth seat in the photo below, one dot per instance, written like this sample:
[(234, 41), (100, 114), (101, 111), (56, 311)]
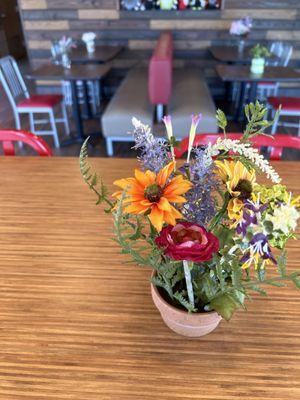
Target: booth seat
[(130, 100), (191, 95)]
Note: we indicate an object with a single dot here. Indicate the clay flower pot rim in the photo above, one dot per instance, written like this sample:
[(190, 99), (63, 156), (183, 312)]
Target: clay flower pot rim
[(175, 308)]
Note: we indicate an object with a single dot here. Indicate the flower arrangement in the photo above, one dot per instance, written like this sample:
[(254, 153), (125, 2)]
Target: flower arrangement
[(211, 232), (89, 39), (260, 51), (241, 27)]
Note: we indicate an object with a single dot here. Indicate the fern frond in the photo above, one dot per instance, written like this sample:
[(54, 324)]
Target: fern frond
[(93, 181), (184, 302)]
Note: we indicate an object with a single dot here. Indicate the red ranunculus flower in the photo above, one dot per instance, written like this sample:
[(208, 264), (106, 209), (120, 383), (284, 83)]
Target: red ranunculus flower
[(188, 241)]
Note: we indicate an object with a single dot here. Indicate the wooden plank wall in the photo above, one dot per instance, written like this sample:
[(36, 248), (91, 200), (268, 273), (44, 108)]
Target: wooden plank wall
[(194, 31)]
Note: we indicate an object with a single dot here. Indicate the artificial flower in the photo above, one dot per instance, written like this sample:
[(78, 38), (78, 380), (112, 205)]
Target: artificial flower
[(153, 193), (258, 252), (238, 179), (284, 218), (188, 241), (235, 209)]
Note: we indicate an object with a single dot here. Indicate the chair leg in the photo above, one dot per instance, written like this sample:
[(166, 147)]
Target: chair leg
[(274, 127), (54, 128), (109, 147), (31, 122), (65, 118)]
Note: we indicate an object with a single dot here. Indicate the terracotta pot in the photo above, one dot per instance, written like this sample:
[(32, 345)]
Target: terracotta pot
[(182, 322)]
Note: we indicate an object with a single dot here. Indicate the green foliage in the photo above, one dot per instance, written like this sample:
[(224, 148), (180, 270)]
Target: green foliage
[(256, 114), (91, 178), (180, 297), (260, 51), (221, 120), (225, 305)]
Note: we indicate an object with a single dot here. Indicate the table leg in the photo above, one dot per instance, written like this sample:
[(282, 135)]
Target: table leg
[(79, 138), (240, 107), (253, 92), (87, 106)]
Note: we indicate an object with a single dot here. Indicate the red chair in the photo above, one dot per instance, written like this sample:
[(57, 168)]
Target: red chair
[(290, 107), (276, 143), (9, 136)]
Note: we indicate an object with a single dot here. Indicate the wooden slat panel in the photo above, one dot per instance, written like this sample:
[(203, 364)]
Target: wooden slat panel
[(46, 25), (39, 44), (261, 14), (82, 4), (283, 35), (189, 24), (98, 14), (33, 4)]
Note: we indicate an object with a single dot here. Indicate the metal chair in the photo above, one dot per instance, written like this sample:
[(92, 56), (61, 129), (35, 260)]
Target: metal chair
[(24, 103), (9, 136), (290, 107), (275, 143), (284, 52)]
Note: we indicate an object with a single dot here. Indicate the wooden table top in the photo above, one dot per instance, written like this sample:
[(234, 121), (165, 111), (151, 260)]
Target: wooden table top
[(102, 54), (231, 54), (78, 323), (76, 72), (241, 73)]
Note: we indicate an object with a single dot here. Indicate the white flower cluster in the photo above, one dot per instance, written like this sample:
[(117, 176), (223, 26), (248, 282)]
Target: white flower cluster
[(247, 151), (142, 132)]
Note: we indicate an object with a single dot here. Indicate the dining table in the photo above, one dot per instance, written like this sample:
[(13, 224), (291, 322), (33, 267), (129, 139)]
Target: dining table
[(102, 54), (232, 55), (243, 75), (77, 319), (82, 72)]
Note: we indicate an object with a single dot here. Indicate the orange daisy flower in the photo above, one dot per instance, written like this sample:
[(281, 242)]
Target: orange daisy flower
[(150, 192)]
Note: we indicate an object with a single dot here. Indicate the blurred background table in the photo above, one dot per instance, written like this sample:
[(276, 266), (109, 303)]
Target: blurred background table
[(243, 75), (232, 55), (101, 55), (77, 322), (84, 72)]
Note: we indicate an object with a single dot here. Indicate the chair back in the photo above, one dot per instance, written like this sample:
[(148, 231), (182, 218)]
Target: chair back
[(9, 136), (286, 55), (12, 81), (276, 143)]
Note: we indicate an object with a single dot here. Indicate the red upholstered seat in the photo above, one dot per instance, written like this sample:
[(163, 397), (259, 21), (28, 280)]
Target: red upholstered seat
[(160, 70), (41, 100), (287, 103)]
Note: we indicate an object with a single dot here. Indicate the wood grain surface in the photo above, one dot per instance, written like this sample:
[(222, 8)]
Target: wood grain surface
[(77, 322)]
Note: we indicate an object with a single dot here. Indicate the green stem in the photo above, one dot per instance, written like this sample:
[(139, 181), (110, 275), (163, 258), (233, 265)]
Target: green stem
[(188, 279), (276, 279), (215, 221)]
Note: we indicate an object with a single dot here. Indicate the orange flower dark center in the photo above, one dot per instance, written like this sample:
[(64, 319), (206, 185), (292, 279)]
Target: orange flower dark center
[(245, 188), (153, 193)]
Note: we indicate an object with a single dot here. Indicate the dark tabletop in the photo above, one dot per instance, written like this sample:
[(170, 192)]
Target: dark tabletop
[(76, 72), (102, 54), (231, 54), (241, 73)]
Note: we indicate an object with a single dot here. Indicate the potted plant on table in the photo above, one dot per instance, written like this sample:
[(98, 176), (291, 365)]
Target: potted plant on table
[(259, 53), (241, 29), (211, 233)]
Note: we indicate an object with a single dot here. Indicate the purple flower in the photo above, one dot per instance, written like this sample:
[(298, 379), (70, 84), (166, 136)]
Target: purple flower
[(200, 205), (154, 152), (258, 245)]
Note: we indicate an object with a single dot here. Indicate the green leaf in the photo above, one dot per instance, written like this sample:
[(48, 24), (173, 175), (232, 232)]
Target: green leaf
[(184, 302), (225, 305), (281, 263), (296, 282)]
